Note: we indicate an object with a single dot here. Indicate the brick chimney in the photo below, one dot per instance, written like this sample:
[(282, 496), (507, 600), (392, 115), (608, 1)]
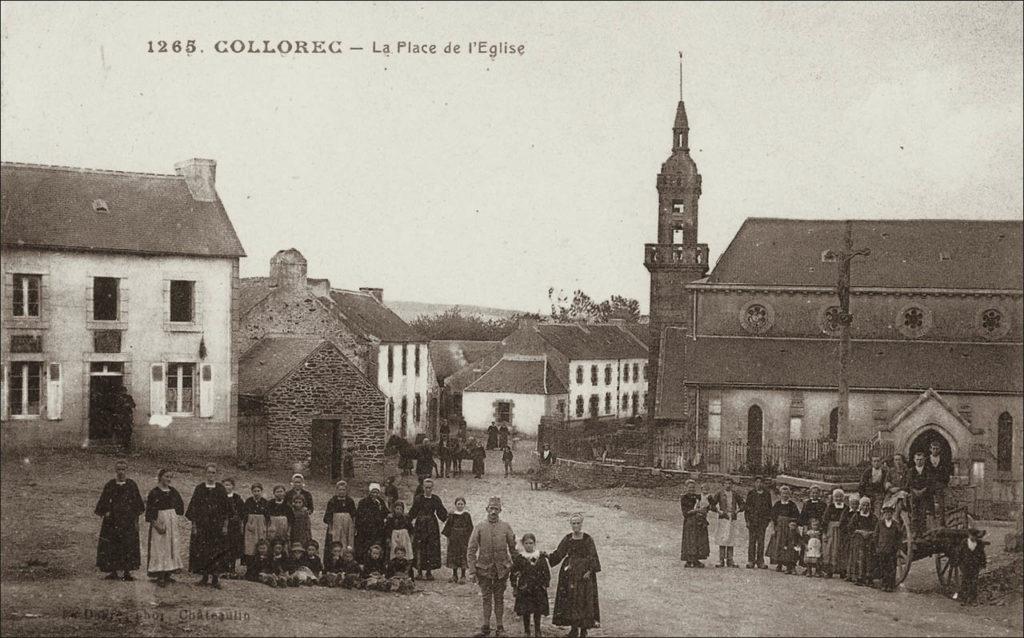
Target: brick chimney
[(376, 293), (201, 177), (288, 269)]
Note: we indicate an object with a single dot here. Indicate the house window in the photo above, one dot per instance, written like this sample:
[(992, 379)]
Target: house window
[(104, 298), (416, 408), (405, 358), (579, 375), (183, 301), (636, 404), (796, 425), (405, 415), (595, 405), (26, 382), (181, 383), (636, 372), (978, 472), (503, 413), (607, 402), (625, 373), (391, 414), (416, 361), (607, 375), (714, 419), (593, 375), (625, 403), (26, 295), (561, 408), (645, 376), (1004, 443), (391, 363), (579, 406)]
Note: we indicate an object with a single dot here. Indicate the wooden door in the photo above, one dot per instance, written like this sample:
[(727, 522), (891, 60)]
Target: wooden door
[(326, 440)]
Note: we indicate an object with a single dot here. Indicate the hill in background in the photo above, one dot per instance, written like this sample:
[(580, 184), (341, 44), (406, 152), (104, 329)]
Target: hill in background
[(410, 310)]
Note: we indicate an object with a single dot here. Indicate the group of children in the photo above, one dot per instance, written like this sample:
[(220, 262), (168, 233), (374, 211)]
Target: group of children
[(276, 566)]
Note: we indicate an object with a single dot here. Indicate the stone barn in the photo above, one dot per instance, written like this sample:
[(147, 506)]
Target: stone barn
[(304, 403)]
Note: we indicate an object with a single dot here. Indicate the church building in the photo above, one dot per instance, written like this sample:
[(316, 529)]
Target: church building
[(749, 351)]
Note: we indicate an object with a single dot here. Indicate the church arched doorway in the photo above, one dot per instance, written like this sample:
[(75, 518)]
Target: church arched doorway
[(755, 435), (922, 442)]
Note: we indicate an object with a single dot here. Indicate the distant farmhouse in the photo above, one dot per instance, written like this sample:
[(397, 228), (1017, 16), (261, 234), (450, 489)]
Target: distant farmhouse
[(749, 351), (115, 279)]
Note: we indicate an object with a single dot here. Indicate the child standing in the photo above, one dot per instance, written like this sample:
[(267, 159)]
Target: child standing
[(398, 527), (887, 540), (279, 516), (972, 560), (340, 518), (506, 458), (234, 541), (812, 552), (458, 528), (299, 526), (789, 552), (530, 578), (299, 489), (255, 521)]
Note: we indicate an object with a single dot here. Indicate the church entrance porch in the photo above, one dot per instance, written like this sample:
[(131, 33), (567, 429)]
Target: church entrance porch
[(922, 443)]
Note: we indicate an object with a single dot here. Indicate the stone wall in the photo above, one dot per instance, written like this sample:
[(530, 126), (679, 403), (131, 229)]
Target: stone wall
[(327, 384)]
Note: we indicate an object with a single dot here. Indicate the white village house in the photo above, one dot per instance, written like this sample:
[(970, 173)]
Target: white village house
[(114, 278)]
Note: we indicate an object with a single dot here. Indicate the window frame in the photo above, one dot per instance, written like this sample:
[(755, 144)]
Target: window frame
[(593, 374), (405, 359), (579, 375), (607, 402), (608, 374), (581, 407), (192, 301), (24, 390), (417, 406), (1004, 443), (25, 291), (116, 300), (391, 363), (175, 370), (416, 361)]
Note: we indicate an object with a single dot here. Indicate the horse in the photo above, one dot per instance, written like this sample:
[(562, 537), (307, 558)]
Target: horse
[(406, 452)]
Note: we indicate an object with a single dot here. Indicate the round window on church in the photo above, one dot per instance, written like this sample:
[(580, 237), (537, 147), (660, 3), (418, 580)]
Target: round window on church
[(829, 320), (757, 317), (914, 321), (992, 323)]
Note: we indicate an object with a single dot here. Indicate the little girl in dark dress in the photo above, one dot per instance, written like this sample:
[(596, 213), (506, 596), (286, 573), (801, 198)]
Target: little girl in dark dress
[(530, 578)]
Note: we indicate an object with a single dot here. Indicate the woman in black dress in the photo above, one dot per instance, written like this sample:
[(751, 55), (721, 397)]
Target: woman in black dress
[(371, 523), (426, 536), (576, 599), (120, 505), (695, 546)]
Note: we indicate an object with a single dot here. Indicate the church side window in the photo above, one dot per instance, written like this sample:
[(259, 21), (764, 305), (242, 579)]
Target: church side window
[(1004, 443)]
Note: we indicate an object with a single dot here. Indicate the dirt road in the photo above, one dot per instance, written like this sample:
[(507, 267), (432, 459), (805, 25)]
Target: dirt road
[(50, 585)]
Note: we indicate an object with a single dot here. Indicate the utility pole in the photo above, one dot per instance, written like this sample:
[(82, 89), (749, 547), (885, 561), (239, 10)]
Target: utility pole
[(843, 258)]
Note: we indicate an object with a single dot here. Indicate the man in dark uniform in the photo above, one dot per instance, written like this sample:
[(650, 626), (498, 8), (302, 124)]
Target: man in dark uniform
[(939, 472), (758, 514)]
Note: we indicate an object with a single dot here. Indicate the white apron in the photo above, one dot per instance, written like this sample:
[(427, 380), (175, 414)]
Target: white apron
[(401, 538), (342, 530), (278, 530), (725, 534), (255, 531), (164, 550)]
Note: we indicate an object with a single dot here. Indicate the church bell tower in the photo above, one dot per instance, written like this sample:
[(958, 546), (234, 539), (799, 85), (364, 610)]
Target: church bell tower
[(677, 259)]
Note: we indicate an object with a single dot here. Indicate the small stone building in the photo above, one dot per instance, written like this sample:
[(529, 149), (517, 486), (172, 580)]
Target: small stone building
[(311, 403)]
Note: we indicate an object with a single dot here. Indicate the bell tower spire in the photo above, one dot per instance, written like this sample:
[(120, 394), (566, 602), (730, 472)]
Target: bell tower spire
[(677, 259)]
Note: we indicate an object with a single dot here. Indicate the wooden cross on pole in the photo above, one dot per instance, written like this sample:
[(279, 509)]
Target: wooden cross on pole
[(843, 258)]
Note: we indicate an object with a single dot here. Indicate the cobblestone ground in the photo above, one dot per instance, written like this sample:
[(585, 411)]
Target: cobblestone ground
[(50, 585)]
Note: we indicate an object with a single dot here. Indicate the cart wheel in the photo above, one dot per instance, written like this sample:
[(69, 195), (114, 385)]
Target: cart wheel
[(949, 573), (905, 552)]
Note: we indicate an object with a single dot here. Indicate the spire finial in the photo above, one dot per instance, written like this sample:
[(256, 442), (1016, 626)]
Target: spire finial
[(680, 76)]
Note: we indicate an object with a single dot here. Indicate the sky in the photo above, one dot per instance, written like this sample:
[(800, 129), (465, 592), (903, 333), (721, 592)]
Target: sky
[(458, 178)]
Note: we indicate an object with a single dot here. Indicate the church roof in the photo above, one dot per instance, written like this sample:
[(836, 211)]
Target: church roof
[(66, 208), (926, 253), (519, 376), (813, 363)]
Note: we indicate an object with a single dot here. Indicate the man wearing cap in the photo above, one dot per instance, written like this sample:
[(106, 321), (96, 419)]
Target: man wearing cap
[(489, 558), (758, 512), (728, 505), (887, 542), (371, 526)]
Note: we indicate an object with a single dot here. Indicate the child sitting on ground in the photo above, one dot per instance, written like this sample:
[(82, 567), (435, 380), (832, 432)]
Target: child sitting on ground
[(274, 572), (260, 562), (313, 561), (812, 551), (333, 571), (790, 553), (530, 579), (375, 569), (352, 570), (299, 572), (399, 572)]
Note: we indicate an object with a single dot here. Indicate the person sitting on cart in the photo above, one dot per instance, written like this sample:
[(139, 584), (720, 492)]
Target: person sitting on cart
[(873, 481), (920, 494)]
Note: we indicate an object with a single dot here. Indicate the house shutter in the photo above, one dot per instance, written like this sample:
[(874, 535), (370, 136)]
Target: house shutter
[(54, 392), (3, 394), (197, 303), (207, 395), (157, 389)]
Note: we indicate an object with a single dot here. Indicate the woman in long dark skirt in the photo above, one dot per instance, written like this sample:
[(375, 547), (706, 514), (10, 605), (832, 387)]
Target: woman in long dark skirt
[(164, 542), (783, 511), (120, 505), (576, 599), (234, 544), (695, 546), (426, 538), (530, 579), (209, 510)]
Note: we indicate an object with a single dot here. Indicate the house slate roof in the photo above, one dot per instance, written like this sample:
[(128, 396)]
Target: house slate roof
[(813, 363), (449, 356), (51, 207), (513, 375), (271, 359), (932, 253)]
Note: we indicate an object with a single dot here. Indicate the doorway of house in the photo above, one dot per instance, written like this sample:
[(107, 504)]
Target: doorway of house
[(923, 441), (105, 381), (755, 436), (328, 443)]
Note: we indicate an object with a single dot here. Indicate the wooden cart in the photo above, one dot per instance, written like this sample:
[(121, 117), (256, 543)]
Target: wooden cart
[(942, 543)]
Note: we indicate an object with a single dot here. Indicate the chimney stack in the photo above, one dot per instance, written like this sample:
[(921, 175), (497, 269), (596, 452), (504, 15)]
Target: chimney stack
[(288, 269), (376, 293), (201, 177)]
